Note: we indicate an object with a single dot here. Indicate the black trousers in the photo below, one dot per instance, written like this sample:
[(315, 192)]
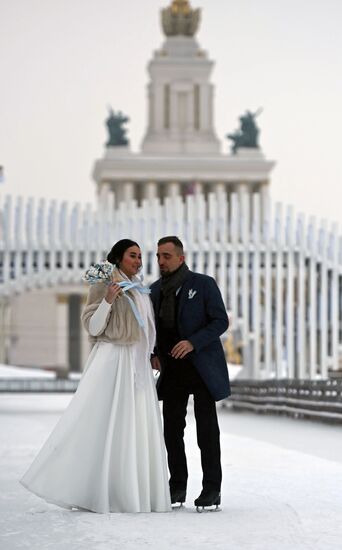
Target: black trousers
[(181, 379)]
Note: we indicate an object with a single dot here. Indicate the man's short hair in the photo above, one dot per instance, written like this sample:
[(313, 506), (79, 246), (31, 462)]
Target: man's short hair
[(174, 240)]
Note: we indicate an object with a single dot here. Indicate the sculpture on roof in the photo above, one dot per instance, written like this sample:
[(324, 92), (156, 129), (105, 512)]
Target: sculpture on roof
[(247, 135), (117, 134)]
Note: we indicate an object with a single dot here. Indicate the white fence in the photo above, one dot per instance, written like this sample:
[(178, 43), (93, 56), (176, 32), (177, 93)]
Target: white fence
[(280, 275)]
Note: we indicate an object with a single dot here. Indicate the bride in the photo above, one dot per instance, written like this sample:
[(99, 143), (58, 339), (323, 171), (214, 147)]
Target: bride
[(106, 453)]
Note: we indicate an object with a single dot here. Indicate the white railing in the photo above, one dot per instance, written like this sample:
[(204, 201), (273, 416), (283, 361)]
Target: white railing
[(280, 275)]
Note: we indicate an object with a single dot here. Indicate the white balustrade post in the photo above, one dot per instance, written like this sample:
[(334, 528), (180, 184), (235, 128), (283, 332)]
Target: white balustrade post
[(233, 285), (41, 240), (279, 293), (334, 298), (212, 234), (29, 214), (190, 230), (255, 290), (323, 302), (63, 238), (312, 275), (200, 230), (222, 225), (301, 300), (289, 299), (18, 244), (7, 243), (268, 295), (244, 201)]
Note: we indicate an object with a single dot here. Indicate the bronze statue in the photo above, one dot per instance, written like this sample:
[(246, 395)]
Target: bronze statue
[(117, 134), (248, 134)]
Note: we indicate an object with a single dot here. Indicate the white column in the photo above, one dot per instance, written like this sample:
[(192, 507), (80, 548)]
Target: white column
[(313, 255), (103, 192), (233, 281), (289, 298), (219, 188), (244, 235), (173, 189), (334, 297), (279, 291), (157, 106), (150, 190), (268, 278), (265, 201), (255, 290), (151, 113), (173, 109), (301, 293), (205, 107), (244, 199), (198, 187), (62, 331), (4, 330), (323, 301), (211, 91), (190, 119), (128, 191)]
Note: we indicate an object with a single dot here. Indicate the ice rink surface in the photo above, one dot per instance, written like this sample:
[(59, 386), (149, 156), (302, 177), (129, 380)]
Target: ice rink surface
[(282, 489)]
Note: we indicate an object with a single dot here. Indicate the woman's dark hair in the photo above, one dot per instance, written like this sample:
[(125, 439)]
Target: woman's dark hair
[(116, 254)]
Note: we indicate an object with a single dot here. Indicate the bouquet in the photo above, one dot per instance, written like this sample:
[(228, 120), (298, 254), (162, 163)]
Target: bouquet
[(99, 272)]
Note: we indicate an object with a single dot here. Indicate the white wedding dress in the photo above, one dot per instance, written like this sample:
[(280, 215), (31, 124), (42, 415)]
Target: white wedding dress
[(107, 453)]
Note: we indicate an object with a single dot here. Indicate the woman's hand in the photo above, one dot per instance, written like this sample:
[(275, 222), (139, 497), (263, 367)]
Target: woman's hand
[(113, 292), (155, 363)]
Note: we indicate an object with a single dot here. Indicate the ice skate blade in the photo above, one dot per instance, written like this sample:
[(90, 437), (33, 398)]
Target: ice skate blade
[(213, 508), (177, 506)]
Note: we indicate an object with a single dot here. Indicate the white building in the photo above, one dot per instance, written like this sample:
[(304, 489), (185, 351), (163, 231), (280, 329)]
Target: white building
[(280, 275), (181, 155)]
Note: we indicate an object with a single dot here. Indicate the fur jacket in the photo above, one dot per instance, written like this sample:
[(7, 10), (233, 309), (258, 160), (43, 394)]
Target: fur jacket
[(121, 325)]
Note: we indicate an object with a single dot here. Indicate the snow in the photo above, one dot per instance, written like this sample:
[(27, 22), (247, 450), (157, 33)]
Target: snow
[(7, 371), (281, 491)]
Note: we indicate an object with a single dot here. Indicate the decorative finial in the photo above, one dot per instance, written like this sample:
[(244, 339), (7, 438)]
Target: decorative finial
[(180, 19)]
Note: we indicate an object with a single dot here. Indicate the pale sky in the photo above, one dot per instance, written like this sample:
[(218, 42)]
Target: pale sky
[(63, 61)]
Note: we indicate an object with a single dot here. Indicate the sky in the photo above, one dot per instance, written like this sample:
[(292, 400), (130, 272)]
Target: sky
[(62, 62)]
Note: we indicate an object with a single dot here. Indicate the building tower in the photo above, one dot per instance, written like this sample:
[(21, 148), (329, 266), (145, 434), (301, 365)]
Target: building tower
[(180, 153), (180, 94)]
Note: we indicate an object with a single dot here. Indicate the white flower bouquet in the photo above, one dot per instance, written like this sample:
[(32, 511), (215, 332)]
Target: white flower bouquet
[(99, 272)]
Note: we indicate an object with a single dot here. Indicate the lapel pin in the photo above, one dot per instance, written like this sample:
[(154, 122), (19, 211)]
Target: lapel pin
[(191, 293)]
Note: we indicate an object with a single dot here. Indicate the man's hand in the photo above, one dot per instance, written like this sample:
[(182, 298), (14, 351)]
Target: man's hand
[(181, 349), (155, 363)]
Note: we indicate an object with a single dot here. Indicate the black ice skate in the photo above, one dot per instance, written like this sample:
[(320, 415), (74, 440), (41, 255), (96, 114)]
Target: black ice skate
[(208, 501), (178, 497)]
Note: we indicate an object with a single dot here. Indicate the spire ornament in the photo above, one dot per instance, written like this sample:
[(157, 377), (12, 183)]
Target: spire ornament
[(180, 19)]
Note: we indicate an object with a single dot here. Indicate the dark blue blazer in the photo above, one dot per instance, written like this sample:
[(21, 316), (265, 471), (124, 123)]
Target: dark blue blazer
[(201, 318)]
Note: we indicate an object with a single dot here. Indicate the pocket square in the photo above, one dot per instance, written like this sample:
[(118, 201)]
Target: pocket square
[(191, 293)]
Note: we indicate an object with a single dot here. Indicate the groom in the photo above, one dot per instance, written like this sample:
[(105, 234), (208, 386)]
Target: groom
[(190, 317)]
